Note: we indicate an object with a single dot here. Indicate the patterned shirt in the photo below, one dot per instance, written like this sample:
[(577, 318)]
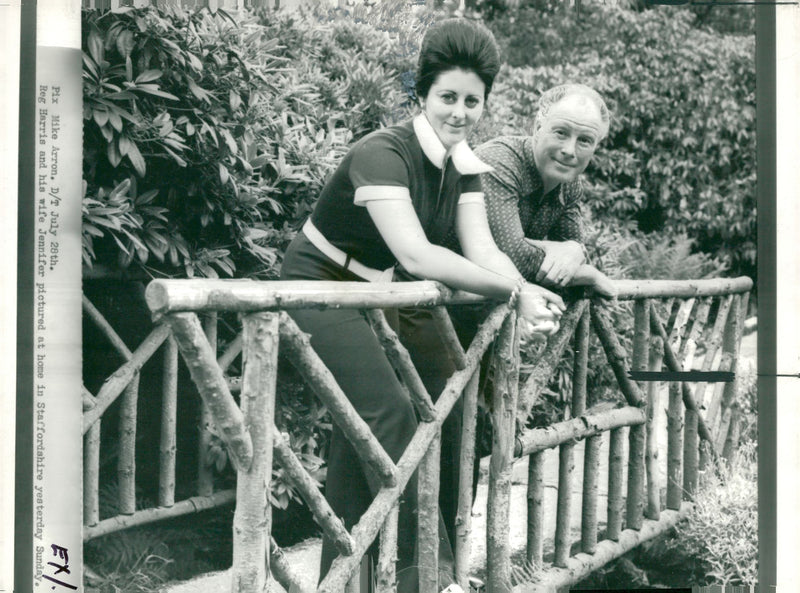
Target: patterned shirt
[(517, 206)]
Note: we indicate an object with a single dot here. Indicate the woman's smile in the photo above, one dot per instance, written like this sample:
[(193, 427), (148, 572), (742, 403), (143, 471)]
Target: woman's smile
[(454, 104)]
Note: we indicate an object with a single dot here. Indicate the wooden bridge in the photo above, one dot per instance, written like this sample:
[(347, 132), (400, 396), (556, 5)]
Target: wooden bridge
[(671, 320)]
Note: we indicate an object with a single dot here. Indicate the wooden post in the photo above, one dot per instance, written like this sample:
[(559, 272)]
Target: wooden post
[(126, 465), (122, 377), (401, 361), (535, 547), (566, 468), (506, 381), (371, 522), (448, 334), (386, 578), (296, 474), (211, 385), (674, 365), (321, 380), (428, 518), (91, 467), (591, 453), (616, 452), (566, 457), (205, 477), (730, 345), (615, 354), (691, 453), (465, 478), (637, 435), (543, 369), (653, 510), (674, 447), (732, 438), (252, 520), (169, 414)]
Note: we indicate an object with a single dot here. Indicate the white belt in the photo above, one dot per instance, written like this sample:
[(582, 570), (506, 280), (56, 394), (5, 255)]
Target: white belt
[(319, 241)]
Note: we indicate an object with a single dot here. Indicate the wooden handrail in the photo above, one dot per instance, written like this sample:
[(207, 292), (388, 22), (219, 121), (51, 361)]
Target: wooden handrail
[(248, 437), (168, 296)]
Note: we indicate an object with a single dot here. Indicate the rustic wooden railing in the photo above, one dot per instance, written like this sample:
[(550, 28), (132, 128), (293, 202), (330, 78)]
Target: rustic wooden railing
[(700, 424)]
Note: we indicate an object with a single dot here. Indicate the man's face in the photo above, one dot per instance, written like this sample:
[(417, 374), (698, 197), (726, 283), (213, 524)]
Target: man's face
[(565, 141)]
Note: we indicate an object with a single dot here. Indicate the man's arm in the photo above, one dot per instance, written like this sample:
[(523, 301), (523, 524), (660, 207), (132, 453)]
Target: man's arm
[(502, 192)]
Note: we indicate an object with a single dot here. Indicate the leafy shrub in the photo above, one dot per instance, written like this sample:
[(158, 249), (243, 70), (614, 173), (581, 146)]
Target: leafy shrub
[(680, 156), (207, 138), (723, 530)]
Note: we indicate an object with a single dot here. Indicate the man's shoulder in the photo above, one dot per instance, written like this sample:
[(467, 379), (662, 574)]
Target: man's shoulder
[(506, 150)]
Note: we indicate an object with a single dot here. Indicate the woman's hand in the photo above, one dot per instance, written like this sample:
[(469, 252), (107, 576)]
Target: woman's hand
[(539, 309)]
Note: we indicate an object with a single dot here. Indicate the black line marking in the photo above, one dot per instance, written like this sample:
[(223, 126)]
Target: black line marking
[(686, 376)]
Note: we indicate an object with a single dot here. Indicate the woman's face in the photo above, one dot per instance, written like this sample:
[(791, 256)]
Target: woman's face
[(454, 104), (565, 141)]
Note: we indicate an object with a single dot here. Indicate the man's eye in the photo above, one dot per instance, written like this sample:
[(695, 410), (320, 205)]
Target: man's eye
[(586, 141), (560, 133)]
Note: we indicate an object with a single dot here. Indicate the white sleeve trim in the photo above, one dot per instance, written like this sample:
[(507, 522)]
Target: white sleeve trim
[(473, 197), (368, 193)]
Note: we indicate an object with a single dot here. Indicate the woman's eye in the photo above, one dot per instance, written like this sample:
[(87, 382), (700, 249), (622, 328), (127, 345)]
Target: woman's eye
[(448, 99), (472, 102)]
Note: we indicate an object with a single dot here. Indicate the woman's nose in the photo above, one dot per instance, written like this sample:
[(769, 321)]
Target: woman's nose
[(458, 110)]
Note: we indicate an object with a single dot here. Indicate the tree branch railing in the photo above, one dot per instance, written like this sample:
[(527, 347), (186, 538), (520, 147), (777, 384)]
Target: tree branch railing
[(698, 426)]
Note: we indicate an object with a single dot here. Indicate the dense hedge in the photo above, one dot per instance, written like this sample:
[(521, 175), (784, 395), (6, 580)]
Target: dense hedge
[(205, 139), (680, 156)]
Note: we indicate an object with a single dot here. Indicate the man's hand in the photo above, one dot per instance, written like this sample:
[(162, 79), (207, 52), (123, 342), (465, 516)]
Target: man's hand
[(603, 286), (561, 260)]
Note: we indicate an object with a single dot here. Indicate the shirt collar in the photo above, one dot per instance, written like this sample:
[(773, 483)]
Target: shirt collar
[(465, 161)]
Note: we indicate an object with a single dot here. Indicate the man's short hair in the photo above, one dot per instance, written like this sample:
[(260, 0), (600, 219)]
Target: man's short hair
[(555, 94)]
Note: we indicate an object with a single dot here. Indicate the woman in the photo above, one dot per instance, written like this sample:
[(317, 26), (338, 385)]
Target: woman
[(392, 201)]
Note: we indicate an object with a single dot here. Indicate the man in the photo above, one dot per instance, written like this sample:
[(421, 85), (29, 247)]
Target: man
[(534, 192)]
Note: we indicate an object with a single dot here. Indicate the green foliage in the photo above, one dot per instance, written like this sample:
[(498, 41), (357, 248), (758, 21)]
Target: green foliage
[(207, 139), (680, 155), (723, 530)]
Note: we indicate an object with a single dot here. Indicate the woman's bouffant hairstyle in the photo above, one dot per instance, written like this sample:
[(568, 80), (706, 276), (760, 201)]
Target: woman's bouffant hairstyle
[(457, 43)]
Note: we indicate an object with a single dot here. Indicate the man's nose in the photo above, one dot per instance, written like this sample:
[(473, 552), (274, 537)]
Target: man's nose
[(568, 147)]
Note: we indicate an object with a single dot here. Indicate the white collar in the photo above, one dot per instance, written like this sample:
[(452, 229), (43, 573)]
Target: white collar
[(465, 161)]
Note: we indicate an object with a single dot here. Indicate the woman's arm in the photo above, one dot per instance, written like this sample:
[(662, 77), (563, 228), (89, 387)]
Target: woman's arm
[(399, 226)]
